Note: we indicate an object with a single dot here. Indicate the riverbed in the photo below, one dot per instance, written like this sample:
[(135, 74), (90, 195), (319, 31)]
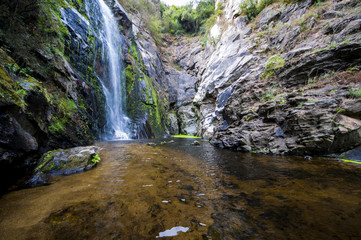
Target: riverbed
[(184, 191)]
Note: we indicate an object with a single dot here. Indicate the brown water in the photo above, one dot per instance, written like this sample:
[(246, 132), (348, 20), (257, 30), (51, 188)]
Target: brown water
[(140, 192)]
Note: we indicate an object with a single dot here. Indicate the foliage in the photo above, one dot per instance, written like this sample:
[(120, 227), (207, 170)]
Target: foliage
[(274, 63), (96, 158), (353, 69), (204, 40), (67, 105), (305, 19), (187, 19), (29, 25), (251, 8), (58, 125), (318, 78), (143, 99), (354, 93), (270, 94)]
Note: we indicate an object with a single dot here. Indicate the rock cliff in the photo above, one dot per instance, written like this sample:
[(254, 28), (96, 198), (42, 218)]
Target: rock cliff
[(50, 70), (287, 82)]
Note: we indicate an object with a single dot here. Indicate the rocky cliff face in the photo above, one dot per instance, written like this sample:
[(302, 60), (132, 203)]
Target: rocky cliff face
[(287, 82), (50, 95), (50, 65), (147, 100)]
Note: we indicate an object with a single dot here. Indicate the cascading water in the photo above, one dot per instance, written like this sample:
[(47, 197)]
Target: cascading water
[(113, 76)]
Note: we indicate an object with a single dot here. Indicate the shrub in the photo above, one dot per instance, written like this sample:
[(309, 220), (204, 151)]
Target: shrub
[(251, 8), (354, 93), (186, 19), (96, 158), (274, 63)]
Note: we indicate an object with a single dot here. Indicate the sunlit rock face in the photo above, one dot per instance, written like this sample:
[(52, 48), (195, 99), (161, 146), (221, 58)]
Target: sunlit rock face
[(280, 83)]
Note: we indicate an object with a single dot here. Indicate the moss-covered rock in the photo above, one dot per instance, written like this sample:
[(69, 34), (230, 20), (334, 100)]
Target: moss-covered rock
[(64, 162), (146, 104)]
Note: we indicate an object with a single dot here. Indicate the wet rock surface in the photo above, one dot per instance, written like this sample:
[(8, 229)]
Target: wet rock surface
[(64, 162), (50, 94)]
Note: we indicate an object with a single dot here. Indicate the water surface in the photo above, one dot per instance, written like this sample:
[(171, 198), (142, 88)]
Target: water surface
[(180, 191)]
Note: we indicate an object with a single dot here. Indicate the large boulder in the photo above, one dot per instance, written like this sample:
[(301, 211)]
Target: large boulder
[(64, 162)]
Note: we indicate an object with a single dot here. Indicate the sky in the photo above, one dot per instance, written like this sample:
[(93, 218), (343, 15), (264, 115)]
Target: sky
[(176, 2)]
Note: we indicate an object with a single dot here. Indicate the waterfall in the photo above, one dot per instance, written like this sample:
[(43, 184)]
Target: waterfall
[(113, 74)]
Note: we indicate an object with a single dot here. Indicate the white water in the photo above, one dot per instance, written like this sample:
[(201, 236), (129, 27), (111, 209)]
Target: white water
[(114, 81)]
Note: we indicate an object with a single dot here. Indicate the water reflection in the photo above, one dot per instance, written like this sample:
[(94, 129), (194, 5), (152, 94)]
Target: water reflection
[(143, 192)]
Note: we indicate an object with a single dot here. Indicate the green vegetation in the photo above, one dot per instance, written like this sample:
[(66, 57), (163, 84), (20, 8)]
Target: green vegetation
[(175, 20), (269, 95), (353, 69), (350, 161), (319, 78), (274, 63), (338, 111), (251, 8), (46, 158), (184, 136), (305, 19), (144, 101), (187, 19), (58, 125), (68, 106), (96, 158), (355, 93)]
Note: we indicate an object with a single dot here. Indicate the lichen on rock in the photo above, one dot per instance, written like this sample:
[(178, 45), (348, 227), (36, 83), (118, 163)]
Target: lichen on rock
[(64, 162)]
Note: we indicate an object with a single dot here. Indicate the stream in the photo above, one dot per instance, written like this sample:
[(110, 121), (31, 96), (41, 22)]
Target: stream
[(184, 191)]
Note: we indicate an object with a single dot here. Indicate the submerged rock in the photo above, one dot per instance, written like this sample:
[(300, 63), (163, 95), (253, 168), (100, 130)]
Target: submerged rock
[(354, 154), (196, 143), (64, 162)]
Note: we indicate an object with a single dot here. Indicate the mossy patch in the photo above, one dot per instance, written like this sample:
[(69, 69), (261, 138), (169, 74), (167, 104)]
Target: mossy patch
[(47, 157), (58, 125), (184, 136), (274, 63), (350, 161), (144, 100)]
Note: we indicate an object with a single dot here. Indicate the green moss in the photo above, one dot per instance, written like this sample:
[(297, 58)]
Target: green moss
[(274, 63), (184, 136), (57, 125), (68, 106), (251, 8), (129, 76), (350, 161), (133, 51), (355, 93), (143, 99), (10, 90), (48, 167), (81, 104), (46, 158)]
